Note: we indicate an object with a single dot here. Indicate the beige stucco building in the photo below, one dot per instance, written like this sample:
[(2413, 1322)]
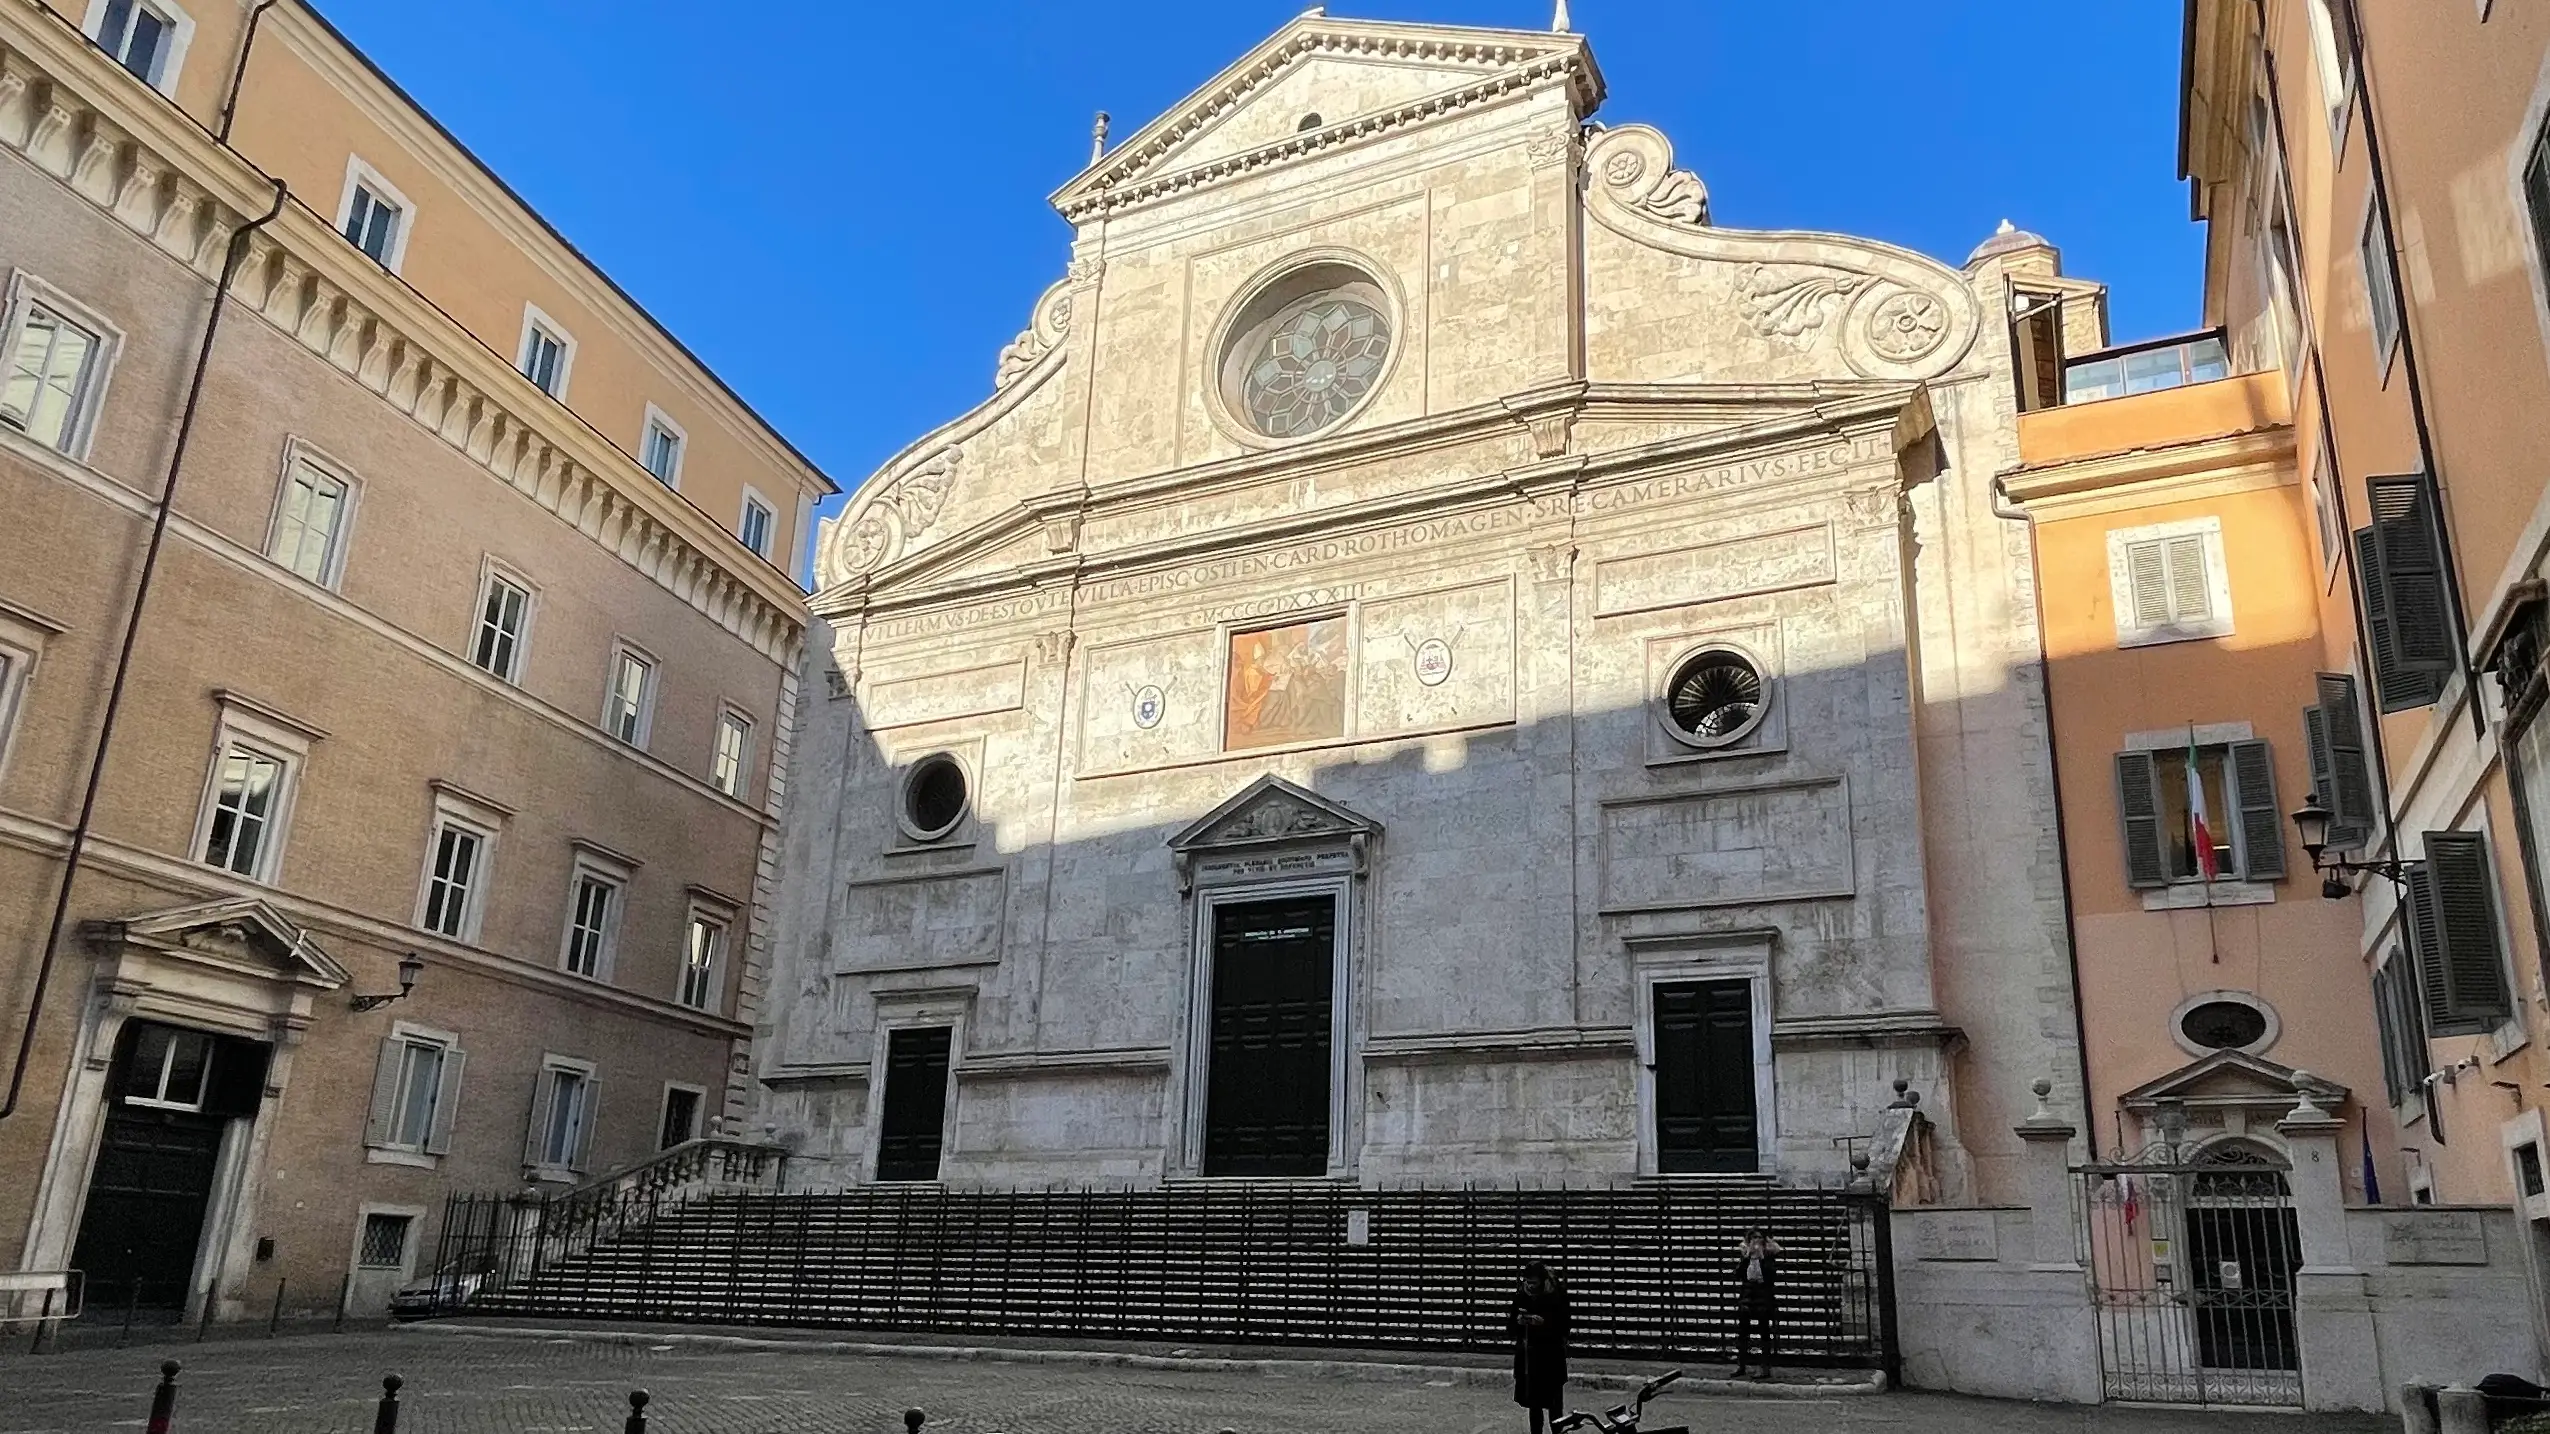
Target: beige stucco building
[(469, 635), (1434, 661)]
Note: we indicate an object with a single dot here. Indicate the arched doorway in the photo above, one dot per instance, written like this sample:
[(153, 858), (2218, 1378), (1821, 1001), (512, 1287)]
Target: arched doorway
[(2242, 1247)]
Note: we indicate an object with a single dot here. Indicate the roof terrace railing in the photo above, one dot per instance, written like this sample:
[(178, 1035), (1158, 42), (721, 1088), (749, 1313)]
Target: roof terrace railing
[(2146, 367)]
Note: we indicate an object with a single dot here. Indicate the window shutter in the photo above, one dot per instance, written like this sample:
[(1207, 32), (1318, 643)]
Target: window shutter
[(2409, 549), (438, 1141), (583, 1159), (2453, 914), (2147, 564), (2315, 737), (376, 1125), (2253, 786), (2386, 1019), (2190, 587), (2349, 792), (543, 1084), (2138, 809)]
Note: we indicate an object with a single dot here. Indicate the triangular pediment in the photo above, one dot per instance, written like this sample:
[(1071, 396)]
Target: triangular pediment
[(235, 931), (1271, 810), (2232, 1078), (1359, 77)]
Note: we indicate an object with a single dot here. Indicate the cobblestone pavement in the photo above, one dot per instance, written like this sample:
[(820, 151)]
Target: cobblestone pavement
[(320, 1384)]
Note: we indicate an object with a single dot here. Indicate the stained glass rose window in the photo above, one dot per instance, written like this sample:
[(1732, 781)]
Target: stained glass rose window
[(1318, 361)]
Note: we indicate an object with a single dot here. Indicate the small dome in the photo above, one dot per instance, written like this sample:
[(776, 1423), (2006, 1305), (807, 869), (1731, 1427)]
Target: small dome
[(2007, 239)]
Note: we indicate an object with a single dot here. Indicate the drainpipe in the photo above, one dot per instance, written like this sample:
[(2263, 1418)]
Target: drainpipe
[(237, 255), (2002, 508), (239, 71)]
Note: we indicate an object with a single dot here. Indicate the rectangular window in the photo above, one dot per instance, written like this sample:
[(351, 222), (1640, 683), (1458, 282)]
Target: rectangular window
[(384, 1242), (2179, 804), (139, 36), (627, 709), (2408, 613), (452, 884), (681, 1117), (756, 526), (661, 450), (2341, 768), (2333, 46), (2401, 1025), (2536, 195), (2381, 297), (727, 766), (2528, 1169), (415, 1092), (701, 948), (589, 924), (54, 366), (169, 1067), (310, 522), (504, 615), (2168, 582), (547, 353), (372, 222), (562, 1117), (248, 791), (2452, 925)]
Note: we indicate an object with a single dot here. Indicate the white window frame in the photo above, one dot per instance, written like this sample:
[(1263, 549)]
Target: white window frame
[(743, 523), (728, 714), (721, 918), (417, 1152), (597, 863), (457, 809), (2120, 582), (171, 61), (297, 453), (657, 418), (359, 173), (664, 1104), (25, 289), (23, 638), (550, 1065), (535, 321), (203, 1076), (257, 728), (491, 571), (2338, 78), (415, 1215), (620, 648), (2536, 116), (2378, 281)]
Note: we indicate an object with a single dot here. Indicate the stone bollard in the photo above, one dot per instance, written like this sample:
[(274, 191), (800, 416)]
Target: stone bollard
[(912, 1419), (2463, 1410), (637, 1413), (385, 1418), (2417, 1408), (164, 1401)]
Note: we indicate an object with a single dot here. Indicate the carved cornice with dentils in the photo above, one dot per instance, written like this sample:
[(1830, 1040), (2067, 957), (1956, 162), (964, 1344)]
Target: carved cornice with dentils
[(75, 115)]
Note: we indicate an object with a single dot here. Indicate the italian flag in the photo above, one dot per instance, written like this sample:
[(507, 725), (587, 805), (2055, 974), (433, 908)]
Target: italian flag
[(2200, 831)]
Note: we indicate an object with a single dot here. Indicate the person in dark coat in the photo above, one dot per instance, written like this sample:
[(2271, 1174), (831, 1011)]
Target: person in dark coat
[(1757, 1282), (1540, 1345)]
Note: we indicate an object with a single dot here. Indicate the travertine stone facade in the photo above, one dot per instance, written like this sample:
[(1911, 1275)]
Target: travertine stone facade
[(1606, 435)]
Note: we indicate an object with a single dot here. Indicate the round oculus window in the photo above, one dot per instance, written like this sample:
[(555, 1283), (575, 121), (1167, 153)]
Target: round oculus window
[(1306, 351), (934, 798), (1715, 698), (2223, 1025)]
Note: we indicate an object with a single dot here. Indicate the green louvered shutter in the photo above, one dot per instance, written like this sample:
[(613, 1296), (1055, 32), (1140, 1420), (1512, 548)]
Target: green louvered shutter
[(2348, 790), (2138, 811), (2253, 787), (2452, 914), (2416, 603)]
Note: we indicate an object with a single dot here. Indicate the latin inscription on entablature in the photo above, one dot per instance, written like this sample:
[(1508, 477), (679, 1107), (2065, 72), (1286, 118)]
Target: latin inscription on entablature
[(915, 923), (939, 696), (1273, 865), (1734, 846), (1021, 609), (1707, 572), (1204, 578), (1829, 459)]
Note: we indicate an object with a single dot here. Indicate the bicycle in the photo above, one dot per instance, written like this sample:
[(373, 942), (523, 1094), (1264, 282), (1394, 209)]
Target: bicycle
[(1621, 1418)]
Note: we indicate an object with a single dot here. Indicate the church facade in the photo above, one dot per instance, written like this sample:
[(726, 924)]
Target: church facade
[(1435, 662)]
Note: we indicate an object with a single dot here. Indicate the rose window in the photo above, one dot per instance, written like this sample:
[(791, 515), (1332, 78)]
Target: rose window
[(1313, 364)]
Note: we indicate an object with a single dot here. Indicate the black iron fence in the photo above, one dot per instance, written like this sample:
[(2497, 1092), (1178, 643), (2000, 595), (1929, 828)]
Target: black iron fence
[(1650, 1268), (2191, 1276)]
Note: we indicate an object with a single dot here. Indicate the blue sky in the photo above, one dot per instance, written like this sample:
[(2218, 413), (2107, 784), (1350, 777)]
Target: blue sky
[(842, 206)]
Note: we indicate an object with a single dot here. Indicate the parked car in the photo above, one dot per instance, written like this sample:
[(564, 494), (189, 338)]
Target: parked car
[(439, 1293)]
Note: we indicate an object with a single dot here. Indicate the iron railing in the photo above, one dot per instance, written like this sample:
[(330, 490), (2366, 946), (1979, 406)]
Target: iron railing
[(1650, 1268), (488, 1241), (2191, 1273)]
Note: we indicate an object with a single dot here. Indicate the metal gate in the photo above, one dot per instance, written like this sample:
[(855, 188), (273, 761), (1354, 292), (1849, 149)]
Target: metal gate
[(2191, 1272)]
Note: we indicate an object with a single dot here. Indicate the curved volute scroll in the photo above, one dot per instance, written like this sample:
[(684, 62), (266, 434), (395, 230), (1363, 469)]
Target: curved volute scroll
[(902, 501), (1891, 313)]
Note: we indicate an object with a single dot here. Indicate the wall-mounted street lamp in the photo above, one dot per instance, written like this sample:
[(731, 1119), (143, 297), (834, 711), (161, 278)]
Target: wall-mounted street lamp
[(410, 966), (2336, 873)]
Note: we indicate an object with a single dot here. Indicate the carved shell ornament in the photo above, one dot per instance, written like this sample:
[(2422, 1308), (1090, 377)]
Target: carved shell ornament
[(1884, 312), (1043, 334), (902, 509)]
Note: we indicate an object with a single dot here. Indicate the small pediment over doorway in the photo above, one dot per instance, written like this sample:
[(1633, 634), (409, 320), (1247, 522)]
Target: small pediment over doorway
[(2227, 1094), (241, 936), (1267, 818)]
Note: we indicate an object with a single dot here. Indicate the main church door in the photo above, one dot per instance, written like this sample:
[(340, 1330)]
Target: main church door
[(1704, 1078), (1267, 1081)]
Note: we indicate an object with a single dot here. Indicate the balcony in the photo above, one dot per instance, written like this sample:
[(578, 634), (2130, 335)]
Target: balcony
[(2161, 394), (2147, 367)]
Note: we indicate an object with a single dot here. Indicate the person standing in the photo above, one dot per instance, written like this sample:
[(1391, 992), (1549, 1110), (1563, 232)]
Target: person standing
[(1757, 1279), (1540, 1345)]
